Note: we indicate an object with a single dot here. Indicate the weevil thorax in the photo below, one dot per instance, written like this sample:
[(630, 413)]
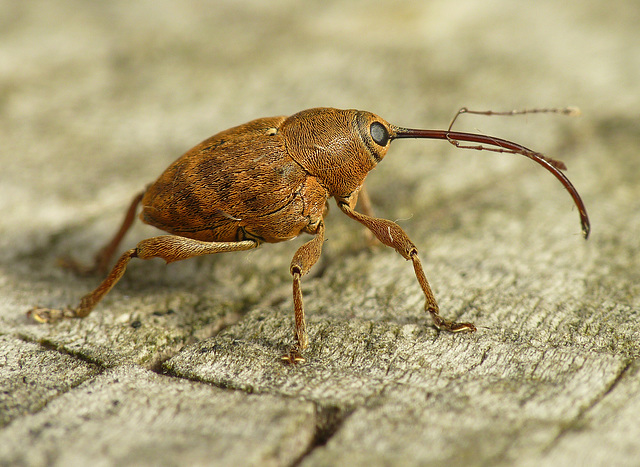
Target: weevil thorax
[(338, 147)]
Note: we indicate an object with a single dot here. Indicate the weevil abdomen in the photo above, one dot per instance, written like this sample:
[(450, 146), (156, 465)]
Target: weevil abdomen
[(238, 184)]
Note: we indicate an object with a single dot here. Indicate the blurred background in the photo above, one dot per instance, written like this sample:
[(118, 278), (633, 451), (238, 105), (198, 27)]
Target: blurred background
[(96, 98)]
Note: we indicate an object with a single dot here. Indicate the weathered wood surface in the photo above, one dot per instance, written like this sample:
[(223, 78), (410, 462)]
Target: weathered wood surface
[(180, 365)]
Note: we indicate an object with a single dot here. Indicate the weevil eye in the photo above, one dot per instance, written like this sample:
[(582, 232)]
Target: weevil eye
[(379, 133)]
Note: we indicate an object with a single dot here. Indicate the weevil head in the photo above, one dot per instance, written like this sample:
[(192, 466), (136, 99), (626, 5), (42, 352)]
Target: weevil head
[(338, 147)]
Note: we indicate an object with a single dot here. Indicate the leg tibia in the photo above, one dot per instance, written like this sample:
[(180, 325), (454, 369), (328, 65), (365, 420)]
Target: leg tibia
[(431, 305), (89, 301), (104, 255), (304, 258)]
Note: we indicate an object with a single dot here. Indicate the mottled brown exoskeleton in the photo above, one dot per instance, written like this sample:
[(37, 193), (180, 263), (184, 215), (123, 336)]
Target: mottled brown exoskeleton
[(269, 180)]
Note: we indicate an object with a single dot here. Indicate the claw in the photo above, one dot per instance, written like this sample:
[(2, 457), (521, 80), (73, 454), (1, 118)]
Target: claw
[(451, 326), (293, 357), (49, 315)]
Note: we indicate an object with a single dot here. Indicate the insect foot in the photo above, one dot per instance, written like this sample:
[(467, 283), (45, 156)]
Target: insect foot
[(294, 357), (50, 315)]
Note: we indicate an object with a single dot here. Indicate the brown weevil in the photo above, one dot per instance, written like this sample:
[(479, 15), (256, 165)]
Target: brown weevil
[(270, 180)]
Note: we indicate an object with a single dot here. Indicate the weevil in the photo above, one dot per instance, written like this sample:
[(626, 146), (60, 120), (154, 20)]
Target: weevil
[(270, 180)]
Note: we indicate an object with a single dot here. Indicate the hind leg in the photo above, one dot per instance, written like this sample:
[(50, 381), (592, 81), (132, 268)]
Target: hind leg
[(168, 247), (104, 255)]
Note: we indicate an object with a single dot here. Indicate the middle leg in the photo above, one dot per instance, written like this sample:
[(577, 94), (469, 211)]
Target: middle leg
[(305, 257)]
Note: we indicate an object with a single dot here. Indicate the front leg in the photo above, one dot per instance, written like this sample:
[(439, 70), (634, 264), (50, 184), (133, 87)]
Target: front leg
[(364, 201), (392, 235)]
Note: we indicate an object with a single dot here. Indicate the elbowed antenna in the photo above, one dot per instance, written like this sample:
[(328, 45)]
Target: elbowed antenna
[(501, 145)]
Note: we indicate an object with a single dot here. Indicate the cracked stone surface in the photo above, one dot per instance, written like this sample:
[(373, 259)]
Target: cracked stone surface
[(133, 416), (180, 364)]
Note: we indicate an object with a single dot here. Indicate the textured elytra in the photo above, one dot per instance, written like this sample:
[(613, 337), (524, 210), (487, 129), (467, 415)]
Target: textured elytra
[(267, 179)]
